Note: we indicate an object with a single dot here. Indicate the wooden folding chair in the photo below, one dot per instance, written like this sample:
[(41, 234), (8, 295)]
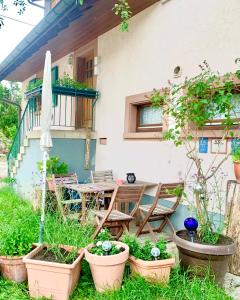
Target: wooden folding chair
[(157, 212), (66, 206), (103, 176), (113, 217)]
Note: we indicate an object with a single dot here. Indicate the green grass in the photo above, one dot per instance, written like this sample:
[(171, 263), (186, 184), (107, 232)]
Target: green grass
[(180, 287), (16, 212)]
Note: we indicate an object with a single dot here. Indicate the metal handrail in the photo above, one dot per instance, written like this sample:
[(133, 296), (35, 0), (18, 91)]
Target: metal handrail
[(66, 113)]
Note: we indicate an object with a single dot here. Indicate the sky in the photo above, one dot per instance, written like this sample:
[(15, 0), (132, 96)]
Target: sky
[(13, 32)]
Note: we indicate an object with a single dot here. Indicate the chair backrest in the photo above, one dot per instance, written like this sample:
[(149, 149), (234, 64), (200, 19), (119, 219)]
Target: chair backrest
[(102, 176), (124, 195), (170, 190), (59, 180)]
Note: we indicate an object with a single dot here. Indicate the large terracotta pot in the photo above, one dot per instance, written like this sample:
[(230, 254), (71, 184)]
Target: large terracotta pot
[(237, 171), (107, 271), (201, 257), (13, 268), (156, 270), (50, 279)]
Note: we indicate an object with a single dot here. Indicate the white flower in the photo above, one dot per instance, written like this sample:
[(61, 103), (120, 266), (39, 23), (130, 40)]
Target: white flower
[(99, 243)]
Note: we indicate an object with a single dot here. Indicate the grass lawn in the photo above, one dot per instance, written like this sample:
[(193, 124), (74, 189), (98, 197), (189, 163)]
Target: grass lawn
[(17, 217)]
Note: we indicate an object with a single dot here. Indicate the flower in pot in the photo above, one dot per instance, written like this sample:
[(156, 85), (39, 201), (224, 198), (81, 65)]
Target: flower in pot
[(151, 261), (107, 261), (197, 104), (54, 166), (53, 271), (236, 161)]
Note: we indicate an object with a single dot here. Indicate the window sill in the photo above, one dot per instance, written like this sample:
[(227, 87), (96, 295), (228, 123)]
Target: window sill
[(143, 135)]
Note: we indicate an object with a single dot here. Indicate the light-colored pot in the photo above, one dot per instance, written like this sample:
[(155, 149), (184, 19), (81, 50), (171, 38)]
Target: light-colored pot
[(237, 171), (155, 270), (50, 279), (107, 271), (13, 268)]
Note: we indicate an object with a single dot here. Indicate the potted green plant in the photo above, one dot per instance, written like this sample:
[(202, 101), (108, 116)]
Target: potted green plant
[(236, 161), (53, 270), (54, 166), (107, 261), (19, 229), (194, 106), (151, 261)]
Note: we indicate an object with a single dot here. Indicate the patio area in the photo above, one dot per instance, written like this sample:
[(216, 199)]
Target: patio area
[(181, 286)]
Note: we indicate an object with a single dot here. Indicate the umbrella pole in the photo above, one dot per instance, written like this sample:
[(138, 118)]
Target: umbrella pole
[(44, 182)]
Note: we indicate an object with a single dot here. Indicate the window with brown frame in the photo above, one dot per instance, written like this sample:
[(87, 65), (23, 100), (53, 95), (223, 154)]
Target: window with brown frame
[(149, 118), (142, 121), (216, 123)]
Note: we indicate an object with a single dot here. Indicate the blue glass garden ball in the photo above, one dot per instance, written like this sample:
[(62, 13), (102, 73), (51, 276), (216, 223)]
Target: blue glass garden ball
[(106, 246), (191, 224), (155, 252)]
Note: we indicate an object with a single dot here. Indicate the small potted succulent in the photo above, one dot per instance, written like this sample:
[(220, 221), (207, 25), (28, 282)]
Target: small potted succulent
[(151, 261), (107, 261), (53, 271), (236, 161)]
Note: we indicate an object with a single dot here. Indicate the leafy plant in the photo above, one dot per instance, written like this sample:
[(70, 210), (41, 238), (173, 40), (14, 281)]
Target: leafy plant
[(122, 9), (236, 155), (33, 85), (67, 81), (143, 251), (105, 236), (54, 166), (192, 104)]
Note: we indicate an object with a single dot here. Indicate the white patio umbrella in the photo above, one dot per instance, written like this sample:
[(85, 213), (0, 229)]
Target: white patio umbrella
[(46, 140)]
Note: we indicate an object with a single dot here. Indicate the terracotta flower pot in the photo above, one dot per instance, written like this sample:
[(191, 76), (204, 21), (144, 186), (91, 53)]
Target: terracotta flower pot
[(156, 270), (237, 171), (200, 257), (13, 268), (107, 271), (50, 279)]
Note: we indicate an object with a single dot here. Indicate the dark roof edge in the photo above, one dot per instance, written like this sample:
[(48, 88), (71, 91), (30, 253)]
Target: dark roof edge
[(22, 52)]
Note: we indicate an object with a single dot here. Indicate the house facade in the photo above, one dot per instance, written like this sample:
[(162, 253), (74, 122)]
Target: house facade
[(124, 132)]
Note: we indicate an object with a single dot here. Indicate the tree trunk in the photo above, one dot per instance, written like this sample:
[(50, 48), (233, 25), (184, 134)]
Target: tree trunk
[(233, 221)]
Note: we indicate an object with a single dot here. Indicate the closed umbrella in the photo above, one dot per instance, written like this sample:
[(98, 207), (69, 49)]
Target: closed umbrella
[(46, 140)]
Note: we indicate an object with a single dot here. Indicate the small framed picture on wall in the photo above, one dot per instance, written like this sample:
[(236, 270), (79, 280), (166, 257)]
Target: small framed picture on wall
[(218, 146)]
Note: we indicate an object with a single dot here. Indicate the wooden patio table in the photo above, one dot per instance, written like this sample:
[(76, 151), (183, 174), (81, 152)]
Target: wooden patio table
[(86, 190)]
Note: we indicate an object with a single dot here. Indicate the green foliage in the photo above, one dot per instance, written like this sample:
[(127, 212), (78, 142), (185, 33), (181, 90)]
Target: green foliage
[(122, 9), (54, 166), (67, 81), (103, 236), (18, 224), (236, 155), (143, 251), (9, 113), (191, 105), (33, 85)]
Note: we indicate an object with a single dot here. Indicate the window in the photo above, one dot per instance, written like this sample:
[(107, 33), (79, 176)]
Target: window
[(142, 121), (149, 118), (216, 122)]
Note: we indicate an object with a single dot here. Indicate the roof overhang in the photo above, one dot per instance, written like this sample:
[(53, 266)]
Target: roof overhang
[(64, 29)]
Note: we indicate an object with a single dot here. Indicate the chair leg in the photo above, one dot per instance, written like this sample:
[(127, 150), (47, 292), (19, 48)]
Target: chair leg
[(162, 225), (120, 232), (97, 231), (170, 225), (141, 226)]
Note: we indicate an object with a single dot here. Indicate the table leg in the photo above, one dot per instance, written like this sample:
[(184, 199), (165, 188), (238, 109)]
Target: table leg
[(83, 197)]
